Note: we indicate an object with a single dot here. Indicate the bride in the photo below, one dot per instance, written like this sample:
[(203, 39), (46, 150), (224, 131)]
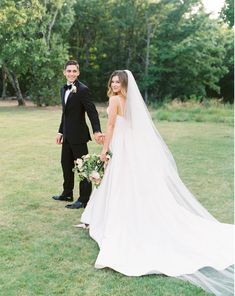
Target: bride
[(142, 216)]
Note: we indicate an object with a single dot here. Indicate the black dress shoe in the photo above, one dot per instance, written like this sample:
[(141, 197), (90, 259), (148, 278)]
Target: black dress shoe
[(76, 205), (62, 198)]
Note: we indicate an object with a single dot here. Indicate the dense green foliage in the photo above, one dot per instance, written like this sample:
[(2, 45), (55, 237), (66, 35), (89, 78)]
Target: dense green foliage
[(174, 48), (227, 12), (34, 47)]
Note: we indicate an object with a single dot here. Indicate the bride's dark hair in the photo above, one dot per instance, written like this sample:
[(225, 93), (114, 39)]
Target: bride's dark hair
[(123, 78)]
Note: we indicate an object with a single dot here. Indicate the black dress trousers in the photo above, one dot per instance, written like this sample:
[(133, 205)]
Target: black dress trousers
[(69, 153)]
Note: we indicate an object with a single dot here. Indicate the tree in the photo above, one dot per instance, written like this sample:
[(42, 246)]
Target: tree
[(89, 43), (33, 48), (226, 83), (50, 52), (154, 15), (172, 47), (189, 52), (14, 37), (4, 82), (227, 12), (107, 36)]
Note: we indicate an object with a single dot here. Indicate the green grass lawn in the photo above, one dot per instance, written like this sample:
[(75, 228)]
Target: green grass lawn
[(206, 111), (41, 253)]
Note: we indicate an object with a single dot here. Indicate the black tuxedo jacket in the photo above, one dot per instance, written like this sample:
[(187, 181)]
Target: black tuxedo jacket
[(73, 124)]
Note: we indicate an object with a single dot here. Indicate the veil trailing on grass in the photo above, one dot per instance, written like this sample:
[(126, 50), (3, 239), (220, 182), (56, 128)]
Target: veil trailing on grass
[(152, 152)]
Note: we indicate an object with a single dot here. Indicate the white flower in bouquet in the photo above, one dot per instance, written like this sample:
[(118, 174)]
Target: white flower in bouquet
[(95, 175), (108, 156), (79, 163), (86, 156)]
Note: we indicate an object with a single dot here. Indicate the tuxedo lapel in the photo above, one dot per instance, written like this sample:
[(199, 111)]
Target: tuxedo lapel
[(62, 97), (68, 99)]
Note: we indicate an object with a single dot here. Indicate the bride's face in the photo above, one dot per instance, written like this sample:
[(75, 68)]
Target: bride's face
[(116, 85)]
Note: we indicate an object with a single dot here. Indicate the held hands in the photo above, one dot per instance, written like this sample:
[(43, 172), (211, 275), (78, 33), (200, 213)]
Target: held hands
[(59, 139), (103, 156), (99, 138)]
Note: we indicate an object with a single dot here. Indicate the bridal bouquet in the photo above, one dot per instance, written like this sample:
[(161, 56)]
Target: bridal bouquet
[(90, 167)]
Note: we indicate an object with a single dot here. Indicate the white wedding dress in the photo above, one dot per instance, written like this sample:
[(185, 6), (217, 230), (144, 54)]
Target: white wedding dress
[(145, 220)]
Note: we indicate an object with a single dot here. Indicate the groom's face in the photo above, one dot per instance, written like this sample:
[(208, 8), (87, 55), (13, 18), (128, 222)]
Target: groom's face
[(71, 73)]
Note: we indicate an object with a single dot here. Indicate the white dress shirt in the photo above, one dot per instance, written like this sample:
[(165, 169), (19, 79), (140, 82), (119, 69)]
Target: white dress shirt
[(66, 95)]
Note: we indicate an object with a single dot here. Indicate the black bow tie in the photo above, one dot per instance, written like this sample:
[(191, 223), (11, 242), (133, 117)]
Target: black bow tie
[(66, 87)]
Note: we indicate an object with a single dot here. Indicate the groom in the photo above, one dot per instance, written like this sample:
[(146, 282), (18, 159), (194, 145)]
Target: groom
[(74, 134)]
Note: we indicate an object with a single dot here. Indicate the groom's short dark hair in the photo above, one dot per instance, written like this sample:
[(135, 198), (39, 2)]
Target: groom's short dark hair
[(71, 62)]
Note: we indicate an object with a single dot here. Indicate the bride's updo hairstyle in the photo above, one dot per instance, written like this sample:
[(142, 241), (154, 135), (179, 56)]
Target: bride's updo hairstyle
[(123, 78)]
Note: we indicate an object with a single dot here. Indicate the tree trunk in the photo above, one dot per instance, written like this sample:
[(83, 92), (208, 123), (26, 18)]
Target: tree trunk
[(20, 98), (129, 58), (4, 83), (15, 83), (51, 26)]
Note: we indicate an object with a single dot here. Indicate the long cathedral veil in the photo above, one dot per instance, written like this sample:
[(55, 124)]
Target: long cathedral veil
[(154, 152)]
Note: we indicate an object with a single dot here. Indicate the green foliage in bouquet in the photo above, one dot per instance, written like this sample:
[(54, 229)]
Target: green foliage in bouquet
[(90, 167)]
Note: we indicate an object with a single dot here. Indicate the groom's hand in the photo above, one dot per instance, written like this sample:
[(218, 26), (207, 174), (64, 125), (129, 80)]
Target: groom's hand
[(99, 138), (59, 139)]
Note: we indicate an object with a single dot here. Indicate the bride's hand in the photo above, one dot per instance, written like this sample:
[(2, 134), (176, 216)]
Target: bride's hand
[(103, 156)]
